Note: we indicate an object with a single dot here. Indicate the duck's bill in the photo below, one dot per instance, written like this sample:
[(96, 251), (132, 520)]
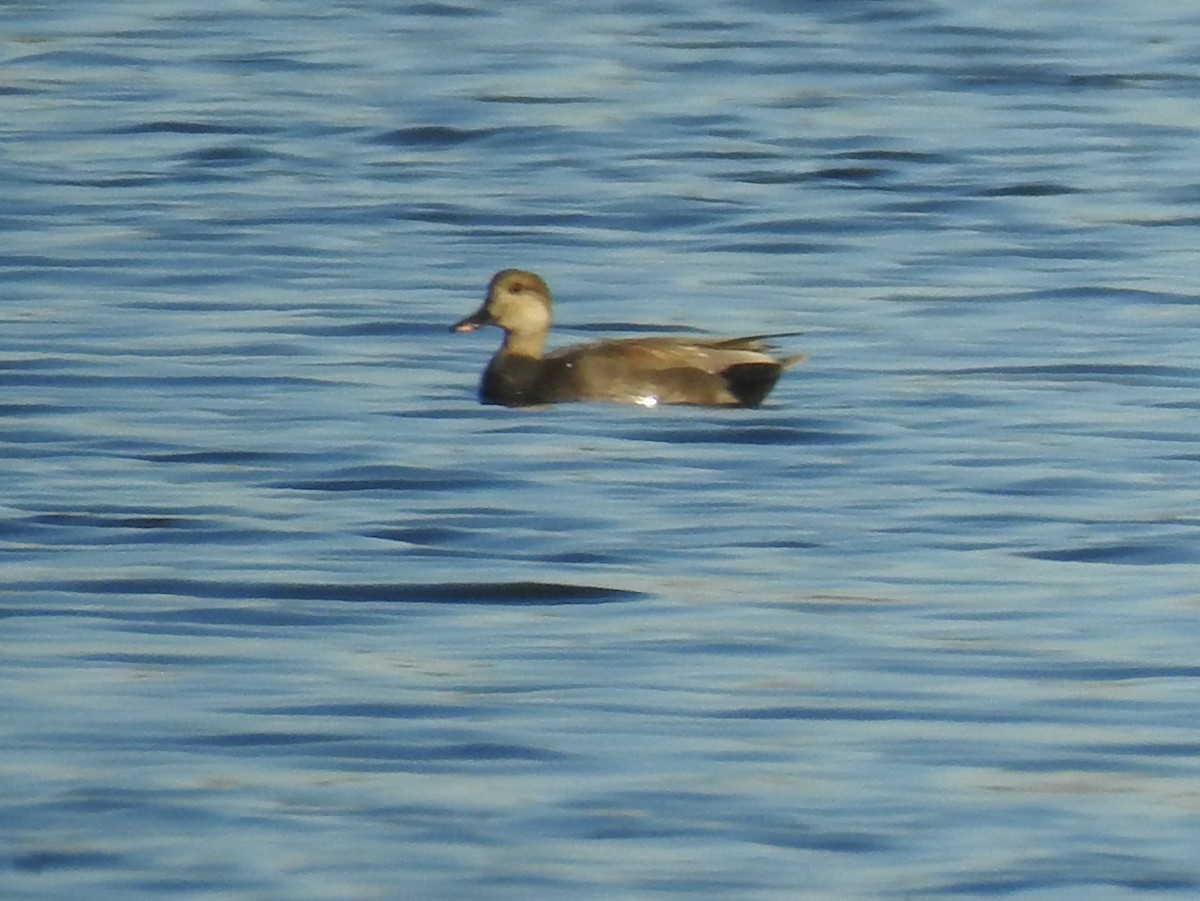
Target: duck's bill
[(472, 322)]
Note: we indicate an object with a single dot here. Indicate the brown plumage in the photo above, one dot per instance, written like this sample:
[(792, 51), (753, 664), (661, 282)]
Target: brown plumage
[(649, 371)]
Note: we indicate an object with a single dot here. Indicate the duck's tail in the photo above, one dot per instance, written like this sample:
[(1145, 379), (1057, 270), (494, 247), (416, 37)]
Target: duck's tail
[(750, 383)]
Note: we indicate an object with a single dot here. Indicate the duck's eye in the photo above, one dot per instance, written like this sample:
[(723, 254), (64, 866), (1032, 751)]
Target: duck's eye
[(518, 287)]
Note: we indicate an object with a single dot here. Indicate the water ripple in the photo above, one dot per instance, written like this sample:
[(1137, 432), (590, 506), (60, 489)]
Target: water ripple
[(500, 593)]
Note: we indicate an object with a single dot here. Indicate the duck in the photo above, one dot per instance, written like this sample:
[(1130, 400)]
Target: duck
[(701, 371)]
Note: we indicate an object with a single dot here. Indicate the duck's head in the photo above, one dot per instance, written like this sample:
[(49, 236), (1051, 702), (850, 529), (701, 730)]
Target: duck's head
[(517, 301)]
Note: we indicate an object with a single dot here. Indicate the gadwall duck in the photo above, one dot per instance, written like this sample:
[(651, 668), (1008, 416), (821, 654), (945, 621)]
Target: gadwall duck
[(737, 372)]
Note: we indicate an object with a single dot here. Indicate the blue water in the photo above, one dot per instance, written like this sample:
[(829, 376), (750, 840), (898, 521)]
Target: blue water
[(288, 615)]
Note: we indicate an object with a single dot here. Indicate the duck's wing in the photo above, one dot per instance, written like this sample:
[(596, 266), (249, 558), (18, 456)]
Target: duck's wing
[(650, 355), (752, 342), (708, 354), (763, 344)]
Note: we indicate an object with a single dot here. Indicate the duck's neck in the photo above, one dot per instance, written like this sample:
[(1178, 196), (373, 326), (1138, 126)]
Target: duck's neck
[(527, 344)]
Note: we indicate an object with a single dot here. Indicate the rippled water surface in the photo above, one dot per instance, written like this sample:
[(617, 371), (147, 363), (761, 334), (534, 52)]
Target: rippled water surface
[(287, 615)]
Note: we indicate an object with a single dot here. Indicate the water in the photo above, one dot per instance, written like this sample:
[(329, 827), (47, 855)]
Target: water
[(288, 615)]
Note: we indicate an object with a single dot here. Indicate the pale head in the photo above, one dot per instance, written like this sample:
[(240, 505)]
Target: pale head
[(518, 302)]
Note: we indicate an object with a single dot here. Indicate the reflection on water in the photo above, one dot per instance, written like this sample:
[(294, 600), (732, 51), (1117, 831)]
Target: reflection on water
[(288, 614)]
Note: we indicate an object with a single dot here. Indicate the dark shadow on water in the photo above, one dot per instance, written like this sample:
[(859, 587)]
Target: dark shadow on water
[(740, 432), (396, 478), (498, 593), (43, 861), (1128, 554)]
